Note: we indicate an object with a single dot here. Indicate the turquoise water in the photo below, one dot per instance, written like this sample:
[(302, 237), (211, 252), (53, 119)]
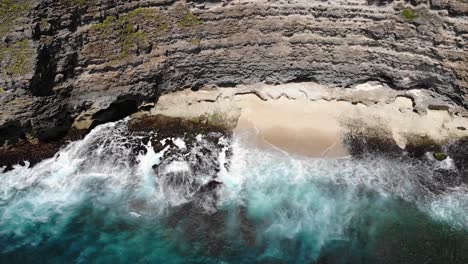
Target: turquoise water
[(94, 205)]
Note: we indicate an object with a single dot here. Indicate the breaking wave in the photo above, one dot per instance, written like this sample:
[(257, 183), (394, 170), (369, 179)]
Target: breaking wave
[(112, 198)]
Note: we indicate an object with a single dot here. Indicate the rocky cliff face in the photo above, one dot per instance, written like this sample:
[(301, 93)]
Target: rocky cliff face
[(65, 61)]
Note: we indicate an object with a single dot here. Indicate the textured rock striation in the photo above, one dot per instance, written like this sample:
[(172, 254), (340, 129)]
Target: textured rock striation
[(63, 61)]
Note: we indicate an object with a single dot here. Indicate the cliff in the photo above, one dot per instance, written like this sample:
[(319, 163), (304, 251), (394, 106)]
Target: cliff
[(65, 61)]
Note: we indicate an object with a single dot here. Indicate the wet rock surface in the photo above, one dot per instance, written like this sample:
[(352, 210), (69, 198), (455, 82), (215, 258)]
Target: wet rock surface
[(32, 151), (185, 155), (160, 131), (442, 166), (190, 152)]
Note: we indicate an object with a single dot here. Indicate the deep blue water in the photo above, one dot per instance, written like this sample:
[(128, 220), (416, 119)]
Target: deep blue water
[(91, 205)]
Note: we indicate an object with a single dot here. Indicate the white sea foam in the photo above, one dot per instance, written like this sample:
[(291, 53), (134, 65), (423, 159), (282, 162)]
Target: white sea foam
[(291, 191), (264, 174), (180, 143), (97, 168)]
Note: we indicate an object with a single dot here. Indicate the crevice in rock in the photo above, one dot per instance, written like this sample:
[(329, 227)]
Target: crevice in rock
[(227, 84), (380, 79), (121, 108), (75, 20), (301, 78), (379, 2), (43, 79)]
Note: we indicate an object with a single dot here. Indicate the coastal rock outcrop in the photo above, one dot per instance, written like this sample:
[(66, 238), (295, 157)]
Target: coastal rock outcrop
[(88, 62)]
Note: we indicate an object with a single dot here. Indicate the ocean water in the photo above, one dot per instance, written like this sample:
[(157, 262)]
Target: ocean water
[(93, 203)]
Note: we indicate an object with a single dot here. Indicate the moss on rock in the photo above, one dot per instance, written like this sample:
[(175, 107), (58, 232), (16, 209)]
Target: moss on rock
[(440, 156)]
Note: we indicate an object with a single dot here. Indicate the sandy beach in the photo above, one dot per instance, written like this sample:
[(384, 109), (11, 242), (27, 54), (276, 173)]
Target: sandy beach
[(311, 120), (294, 126)]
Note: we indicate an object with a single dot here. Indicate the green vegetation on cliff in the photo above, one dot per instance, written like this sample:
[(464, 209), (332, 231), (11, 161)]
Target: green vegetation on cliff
[(134, 32), (15, 57), (18, 58), (129, 29), (10, 10), (185, 17), (107, 26), (147, 16), (188, 20), (196, 41), (409, 14)]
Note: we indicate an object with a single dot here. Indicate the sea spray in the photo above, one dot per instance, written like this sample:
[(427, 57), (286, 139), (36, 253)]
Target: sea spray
[(112, 197)]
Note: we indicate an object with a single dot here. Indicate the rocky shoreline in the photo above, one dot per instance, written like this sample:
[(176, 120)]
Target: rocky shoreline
[(305, 119), (316, 78)]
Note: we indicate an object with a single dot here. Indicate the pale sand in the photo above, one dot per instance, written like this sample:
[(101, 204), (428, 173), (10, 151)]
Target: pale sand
[(296, 119), (295, 126)]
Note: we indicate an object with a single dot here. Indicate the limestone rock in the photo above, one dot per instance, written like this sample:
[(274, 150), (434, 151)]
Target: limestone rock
[(90, 56)]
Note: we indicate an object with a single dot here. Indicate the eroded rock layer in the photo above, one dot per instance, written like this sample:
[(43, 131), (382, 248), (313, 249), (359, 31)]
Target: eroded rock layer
[(102, 59)]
